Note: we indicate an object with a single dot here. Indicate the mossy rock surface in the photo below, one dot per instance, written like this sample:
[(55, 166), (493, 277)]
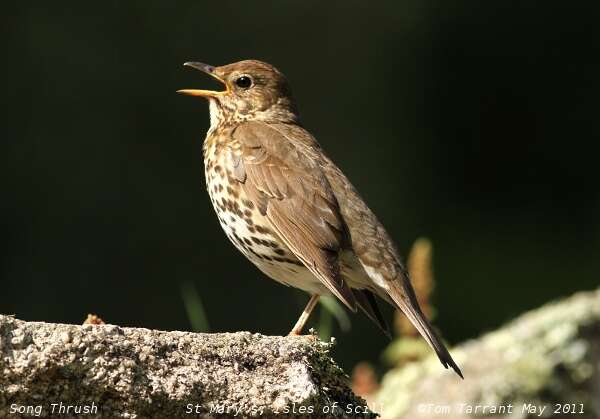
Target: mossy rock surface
[(548, 357), (132, 372)]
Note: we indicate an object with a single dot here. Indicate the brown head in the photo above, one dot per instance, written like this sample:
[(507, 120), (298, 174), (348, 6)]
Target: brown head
[(254, 90)]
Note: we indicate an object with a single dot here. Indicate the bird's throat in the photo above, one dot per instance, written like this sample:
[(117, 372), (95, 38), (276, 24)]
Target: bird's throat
[(216, 114)]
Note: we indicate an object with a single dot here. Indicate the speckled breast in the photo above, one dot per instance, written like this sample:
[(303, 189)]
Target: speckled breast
[(247, 228)]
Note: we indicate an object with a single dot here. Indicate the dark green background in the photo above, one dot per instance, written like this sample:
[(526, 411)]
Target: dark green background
[(472, 123)]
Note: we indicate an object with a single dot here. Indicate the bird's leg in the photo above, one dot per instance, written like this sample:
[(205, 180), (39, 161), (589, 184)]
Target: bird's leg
[(297, 329)]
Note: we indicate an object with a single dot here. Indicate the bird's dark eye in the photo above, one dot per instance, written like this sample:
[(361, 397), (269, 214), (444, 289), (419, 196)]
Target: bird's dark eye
[(244, 82)]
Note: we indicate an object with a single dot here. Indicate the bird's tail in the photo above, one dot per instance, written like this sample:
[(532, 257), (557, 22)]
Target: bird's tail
[(403, 295)]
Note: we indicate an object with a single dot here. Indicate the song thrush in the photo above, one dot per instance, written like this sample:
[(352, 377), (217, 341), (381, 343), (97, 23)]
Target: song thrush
[(289, 209)]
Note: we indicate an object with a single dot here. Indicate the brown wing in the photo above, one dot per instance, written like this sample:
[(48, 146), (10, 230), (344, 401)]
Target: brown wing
[(376, 250), (290, 189)]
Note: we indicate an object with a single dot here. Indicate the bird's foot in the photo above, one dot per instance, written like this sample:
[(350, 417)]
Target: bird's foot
[(312, 334)]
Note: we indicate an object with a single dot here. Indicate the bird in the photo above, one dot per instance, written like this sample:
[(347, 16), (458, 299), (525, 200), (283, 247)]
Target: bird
[(289, 209)]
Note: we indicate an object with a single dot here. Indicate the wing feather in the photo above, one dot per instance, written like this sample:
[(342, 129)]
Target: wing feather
[(294, 194)]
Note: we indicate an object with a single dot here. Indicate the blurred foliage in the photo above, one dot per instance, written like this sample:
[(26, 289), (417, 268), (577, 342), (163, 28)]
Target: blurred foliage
[(364, 381), (331, 308), (194, 307), (93, 319)]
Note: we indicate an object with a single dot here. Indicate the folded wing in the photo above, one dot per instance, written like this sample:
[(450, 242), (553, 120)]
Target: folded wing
[(292, 192)]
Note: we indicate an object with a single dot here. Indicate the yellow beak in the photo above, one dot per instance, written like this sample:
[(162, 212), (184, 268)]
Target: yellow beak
[(208, 69)]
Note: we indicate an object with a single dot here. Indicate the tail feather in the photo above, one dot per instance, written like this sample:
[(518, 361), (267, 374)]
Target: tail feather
[(404, 296), (368, 304)]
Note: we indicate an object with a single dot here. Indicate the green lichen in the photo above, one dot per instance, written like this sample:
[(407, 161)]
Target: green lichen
[(549, 355)]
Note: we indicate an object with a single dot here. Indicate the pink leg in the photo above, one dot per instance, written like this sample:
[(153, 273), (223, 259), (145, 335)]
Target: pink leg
[(297, 330)]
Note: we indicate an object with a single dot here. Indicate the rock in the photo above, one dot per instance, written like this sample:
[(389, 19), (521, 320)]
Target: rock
[(111, 371), (547, 357)]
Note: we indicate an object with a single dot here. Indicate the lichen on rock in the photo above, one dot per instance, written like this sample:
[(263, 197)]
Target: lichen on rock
[(132, 372), (547, 357)]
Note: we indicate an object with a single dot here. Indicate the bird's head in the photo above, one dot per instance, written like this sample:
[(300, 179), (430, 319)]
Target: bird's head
[(254, 90)]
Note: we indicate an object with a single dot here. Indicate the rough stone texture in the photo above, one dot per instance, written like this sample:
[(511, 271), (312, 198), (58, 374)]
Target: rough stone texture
[(129, 372), (546, 356)]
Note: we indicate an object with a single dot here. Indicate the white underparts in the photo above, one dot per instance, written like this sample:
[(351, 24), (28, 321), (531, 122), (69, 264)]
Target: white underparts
[(376, 277), (213, 108)]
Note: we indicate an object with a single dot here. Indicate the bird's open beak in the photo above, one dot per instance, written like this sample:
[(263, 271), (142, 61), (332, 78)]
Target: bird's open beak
[(210, 70)]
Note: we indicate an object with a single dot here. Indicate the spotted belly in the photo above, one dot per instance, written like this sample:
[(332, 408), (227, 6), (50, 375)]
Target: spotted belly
[(252, 234)]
